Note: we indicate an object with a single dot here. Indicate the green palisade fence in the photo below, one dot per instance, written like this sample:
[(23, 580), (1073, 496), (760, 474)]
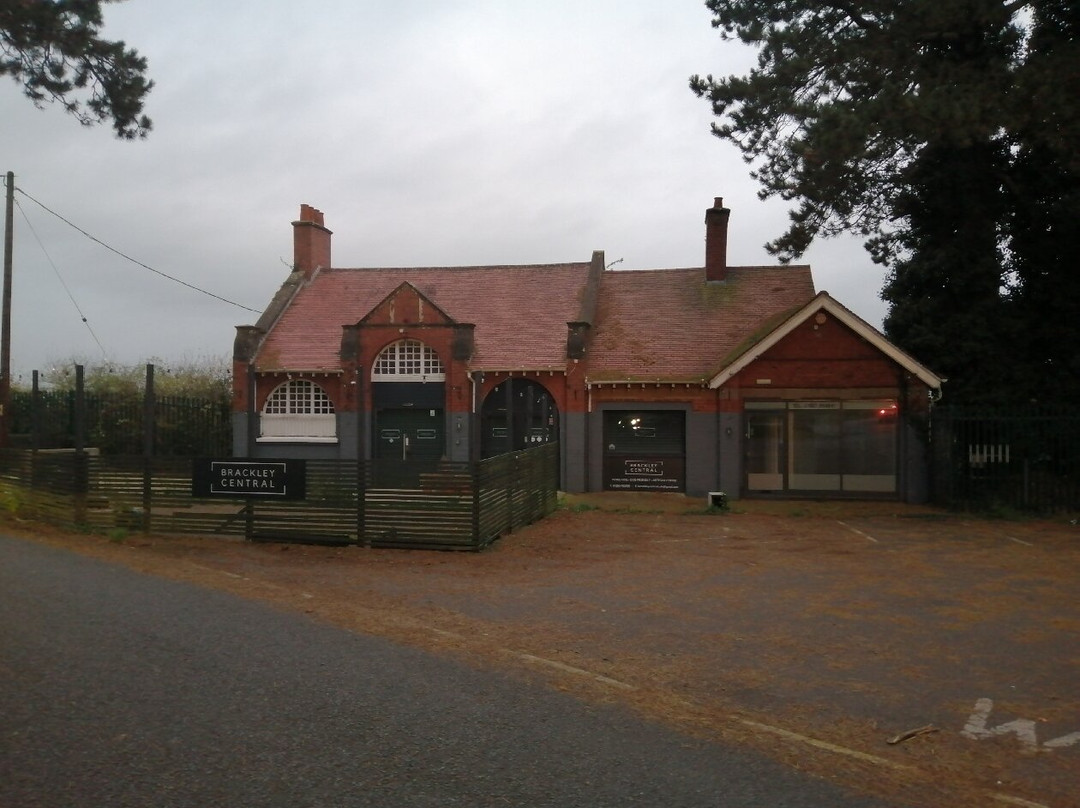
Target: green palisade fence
[(114, 423), (1025, 460)]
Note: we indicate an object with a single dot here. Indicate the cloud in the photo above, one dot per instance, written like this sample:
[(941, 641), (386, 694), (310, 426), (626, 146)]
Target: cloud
[(430, 133)]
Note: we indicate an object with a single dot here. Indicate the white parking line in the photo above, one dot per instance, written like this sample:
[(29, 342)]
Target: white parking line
[(1005, 798), (442, 633), (786, 734), (607, 680), (828, 747), (219, 571), (982, 707), (866, 536)]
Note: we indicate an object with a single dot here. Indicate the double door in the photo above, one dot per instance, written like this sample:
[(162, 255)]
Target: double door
[(410, 433)]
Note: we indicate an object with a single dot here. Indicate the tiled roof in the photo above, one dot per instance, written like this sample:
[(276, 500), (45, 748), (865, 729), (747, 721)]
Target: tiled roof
[(520, 312), (670, 325)]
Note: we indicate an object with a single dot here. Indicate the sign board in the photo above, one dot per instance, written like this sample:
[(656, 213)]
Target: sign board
[(656, 473), (275, 479)]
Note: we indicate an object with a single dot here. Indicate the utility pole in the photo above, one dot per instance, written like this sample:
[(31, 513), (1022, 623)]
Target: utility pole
[(5, 316)]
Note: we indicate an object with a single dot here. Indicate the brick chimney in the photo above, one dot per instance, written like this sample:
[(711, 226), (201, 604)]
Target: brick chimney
[(311, 242), (716, 224)]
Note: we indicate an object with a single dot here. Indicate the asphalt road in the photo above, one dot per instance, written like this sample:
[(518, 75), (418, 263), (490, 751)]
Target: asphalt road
[(120, 689)]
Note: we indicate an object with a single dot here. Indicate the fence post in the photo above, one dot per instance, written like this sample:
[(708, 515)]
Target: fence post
[(252, 430), (536, 481), (553, 478), (81, 472), (149, 424), (252, 423), (511, 472), (79, 413), (942, 468), (361, 501), (35, 414), (474, 474)]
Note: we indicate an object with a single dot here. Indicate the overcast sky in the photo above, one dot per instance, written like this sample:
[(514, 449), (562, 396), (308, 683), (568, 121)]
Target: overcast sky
[(429, 133)]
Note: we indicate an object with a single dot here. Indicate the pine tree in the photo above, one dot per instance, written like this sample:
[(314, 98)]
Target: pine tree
[(54, 49), (947, 295), (1044, 184), (945, 133)]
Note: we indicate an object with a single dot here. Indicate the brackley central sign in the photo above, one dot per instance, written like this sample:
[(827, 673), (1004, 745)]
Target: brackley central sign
[(280, 479)]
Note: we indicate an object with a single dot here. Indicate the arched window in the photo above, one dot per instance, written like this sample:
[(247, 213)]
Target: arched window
[(300, 411), (298, 397), (408, 360)]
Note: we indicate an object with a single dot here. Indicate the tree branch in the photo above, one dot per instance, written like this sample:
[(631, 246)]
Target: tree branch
[(855, 17)]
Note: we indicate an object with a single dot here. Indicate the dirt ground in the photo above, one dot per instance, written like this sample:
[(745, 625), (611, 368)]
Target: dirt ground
[(815, 632)]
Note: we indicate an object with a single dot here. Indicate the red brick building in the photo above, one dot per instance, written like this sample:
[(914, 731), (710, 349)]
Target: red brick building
[(740, 379)]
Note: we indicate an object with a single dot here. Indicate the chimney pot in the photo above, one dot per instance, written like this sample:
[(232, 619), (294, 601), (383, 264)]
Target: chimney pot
[(716, 227), (311, 241)]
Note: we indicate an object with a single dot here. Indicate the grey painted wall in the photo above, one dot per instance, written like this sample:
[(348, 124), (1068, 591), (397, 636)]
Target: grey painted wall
[(594, 435), (915, 465), (365, 423), (347, 426), (714, 449), (239, 434), (297, 451), (730, 446), (573, 433), (458, 436), (702, 472)]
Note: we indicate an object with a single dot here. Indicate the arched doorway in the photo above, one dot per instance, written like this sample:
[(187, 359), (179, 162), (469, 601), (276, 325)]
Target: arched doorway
[(409, 400), (517, 414)]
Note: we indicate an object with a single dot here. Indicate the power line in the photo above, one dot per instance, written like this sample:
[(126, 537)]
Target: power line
[(60, 278), (134, 261)]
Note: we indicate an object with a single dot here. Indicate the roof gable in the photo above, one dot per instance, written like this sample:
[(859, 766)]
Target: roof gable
[(406, 305), (520, 312), (755, 348)]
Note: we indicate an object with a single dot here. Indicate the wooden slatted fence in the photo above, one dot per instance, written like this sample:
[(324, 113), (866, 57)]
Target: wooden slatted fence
[(445, 506)]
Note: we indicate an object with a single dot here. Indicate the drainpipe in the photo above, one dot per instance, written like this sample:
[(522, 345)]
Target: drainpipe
[(588, 437), (719, 438), (252, 411), (474, 426), (362, 426)]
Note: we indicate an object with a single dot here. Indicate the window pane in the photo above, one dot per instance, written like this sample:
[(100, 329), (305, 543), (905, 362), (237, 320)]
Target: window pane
[(408, 357), (869, 440), (644, 432), (298, 397), (409, 354), (387, 361), (277, 403), (815, 441)]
